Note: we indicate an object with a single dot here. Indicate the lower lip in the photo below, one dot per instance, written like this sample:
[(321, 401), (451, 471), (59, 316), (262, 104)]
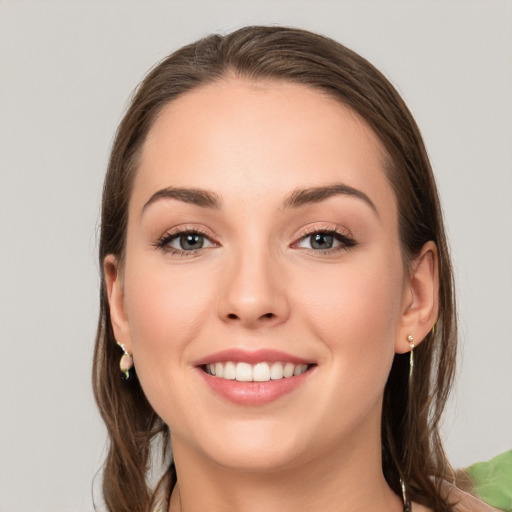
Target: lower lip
[(254, 393)]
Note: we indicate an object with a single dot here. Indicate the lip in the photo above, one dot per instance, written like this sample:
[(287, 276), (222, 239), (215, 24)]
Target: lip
[(253, 393), (238, 355)]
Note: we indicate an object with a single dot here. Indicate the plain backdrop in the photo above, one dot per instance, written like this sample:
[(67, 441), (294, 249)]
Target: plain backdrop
[(67, 69)]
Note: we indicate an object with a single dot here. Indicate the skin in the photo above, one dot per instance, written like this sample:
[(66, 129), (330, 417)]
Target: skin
[(259, 283)]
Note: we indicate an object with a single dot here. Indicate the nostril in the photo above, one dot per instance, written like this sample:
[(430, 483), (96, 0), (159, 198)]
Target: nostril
[(232, 316)]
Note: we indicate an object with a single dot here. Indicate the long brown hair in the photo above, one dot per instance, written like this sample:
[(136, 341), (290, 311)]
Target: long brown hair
[(411, 447)]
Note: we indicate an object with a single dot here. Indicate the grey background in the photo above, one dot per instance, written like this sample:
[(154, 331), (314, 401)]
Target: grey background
[(67, 69)]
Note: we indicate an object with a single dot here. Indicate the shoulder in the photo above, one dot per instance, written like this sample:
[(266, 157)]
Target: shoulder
[(462, 501)]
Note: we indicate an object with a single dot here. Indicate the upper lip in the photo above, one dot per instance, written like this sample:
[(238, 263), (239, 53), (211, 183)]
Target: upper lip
[(238, 355)]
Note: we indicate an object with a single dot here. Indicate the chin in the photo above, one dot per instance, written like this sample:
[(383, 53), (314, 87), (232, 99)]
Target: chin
[(256, 459), (252, 446)]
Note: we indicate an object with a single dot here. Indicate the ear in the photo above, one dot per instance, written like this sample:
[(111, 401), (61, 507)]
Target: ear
[(420, 302), (115, 293)]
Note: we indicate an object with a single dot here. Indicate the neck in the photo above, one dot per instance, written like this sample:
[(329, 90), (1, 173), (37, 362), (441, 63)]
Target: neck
[(349, 479)]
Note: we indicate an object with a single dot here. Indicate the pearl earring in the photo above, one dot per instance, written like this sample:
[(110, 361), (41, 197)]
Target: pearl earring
[(126, 363)]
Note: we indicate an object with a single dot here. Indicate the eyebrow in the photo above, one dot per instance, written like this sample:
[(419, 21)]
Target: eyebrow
[(199, 197), (299, 197), (302, 196)]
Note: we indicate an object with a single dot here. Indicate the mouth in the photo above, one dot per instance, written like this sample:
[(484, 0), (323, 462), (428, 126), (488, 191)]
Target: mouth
[(254, 377), (260, 372)]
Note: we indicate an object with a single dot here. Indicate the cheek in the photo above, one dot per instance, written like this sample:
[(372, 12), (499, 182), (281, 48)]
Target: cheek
[(356, 303), (166, 308), (355, 310), (162, 285)]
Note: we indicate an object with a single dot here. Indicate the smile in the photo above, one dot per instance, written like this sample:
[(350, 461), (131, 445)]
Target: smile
[(259, 372), (254, 377)]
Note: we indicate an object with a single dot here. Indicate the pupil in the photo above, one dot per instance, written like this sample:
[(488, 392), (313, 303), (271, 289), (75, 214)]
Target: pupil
[(322, 241), (191, 241)]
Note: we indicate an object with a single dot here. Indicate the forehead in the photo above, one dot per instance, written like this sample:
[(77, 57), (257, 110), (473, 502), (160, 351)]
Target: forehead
[(248, 137)]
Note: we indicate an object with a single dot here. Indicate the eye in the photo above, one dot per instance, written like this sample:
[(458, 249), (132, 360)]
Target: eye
[(188, 241), (325, 241), (184, 242), (322, 241)]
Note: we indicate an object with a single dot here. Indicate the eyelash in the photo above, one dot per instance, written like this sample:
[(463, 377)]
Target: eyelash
[(346, 242), (163, 242)]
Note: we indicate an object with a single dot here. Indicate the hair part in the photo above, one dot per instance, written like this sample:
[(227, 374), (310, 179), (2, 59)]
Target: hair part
[(411, 445)]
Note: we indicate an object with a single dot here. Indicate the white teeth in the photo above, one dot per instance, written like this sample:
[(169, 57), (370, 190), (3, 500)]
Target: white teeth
[(288, 369), (260, 372), (276, 371), (229, 371), (243, 372), (301, 368)]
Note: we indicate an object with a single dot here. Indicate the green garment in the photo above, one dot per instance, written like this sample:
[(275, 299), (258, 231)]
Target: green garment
[(493, 481)]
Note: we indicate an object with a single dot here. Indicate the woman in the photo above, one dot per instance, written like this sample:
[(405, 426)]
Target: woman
[(276, 287)]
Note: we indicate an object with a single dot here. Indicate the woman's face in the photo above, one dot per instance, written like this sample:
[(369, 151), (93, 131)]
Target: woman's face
[(262, 240)]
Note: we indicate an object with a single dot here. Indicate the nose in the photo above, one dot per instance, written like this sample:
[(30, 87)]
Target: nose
[(253, 292)]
